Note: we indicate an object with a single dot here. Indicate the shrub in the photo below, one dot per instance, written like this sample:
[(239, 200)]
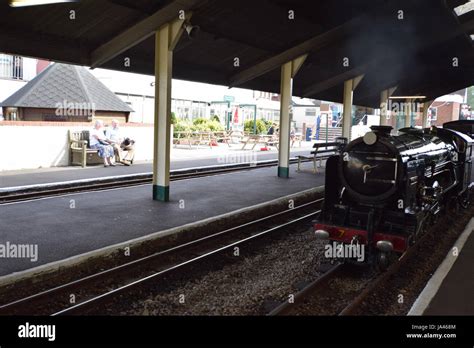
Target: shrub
[(182, 126), (174, 120), (199, 125), (261, 126), (199, 120), (215, 125)]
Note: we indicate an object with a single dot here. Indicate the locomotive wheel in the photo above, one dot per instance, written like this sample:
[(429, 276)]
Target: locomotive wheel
[(383, 260), (464, 200), (452, 207), (412, 239)]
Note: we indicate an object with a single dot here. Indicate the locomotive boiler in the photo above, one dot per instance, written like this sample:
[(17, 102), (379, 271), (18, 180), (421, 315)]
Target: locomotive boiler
[(382, 191)]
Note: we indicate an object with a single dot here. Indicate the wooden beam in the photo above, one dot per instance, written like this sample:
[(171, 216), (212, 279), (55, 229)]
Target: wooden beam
[(356, 81), (334, 81), (140, 31), (455, 3), (303, 48)]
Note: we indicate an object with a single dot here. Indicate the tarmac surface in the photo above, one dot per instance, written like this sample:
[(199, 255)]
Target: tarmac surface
[(65, 226), (61, 174)]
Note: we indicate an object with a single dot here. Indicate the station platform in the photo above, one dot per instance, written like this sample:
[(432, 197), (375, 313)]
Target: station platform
[(98, 219), (62, 174), (450, 291)]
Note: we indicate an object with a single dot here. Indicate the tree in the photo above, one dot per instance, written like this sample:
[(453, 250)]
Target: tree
[(470, 97)]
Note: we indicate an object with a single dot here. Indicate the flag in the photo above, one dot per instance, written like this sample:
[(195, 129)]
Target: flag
[(236, 115)]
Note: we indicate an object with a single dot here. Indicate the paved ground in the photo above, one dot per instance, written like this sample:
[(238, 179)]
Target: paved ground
[(190, 158), (108, 217), (456, 293)]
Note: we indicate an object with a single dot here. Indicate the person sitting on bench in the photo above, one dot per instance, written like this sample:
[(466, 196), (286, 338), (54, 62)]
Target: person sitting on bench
[(97, 140), (119, 144)]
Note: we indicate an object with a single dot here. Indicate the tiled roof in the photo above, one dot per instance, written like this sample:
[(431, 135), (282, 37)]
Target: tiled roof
[(62, 83)]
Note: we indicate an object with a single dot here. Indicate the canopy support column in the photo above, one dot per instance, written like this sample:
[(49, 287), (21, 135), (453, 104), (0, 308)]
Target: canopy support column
[(426, 106), (384, 105), (288, 72), (408, 112), (349, 87), (165, 40)]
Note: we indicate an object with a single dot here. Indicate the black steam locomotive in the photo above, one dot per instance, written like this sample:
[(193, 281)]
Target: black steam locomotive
[(383, 191)]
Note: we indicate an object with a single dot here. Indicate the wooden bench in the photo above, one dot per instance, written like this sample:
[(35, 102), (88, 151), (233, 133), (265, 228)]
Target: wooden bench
[(80, 153), (193, 138), (322, 151), (222, 137), (266, 140)]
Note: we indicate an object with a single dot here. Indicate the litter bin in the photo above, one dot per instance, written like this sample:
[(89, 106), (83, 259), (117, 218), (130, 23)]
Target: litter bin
[(309, 133)]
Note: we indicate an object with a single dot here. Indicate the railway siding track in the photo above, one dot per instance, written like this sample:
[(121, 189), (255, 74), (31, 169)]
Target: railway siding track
[(328, 294), (103, 286), (18, 194), (319, 296)]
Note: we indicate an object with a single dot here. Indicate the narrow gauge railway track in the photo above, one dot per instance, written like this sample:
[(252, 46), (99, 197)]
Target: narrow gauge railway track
[(98, 184), (319, 297), (325, 290), (100, 288)]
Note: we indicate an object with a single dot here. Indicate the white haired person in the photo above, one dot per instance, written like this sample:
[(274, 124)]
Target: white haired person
[(120, 145), (97, 140)]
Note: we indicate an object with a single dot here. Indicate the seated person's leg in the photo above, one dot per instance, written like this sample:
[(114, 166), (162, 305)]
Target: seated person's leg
[(110, 154), (130, 153), (102, 153), (117, 152)]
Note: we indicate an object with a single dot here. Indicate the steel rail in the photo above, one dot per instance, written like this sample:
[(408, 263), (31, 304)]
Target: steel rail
[(143, 260)]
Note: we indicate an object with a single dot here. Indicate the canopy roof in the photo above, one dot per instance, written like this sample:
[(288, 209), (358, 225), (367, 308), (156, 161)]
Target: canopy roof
[(423, 47)]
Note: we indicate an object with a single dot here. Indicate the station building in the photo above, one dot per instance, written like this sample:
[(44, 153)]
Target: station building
[(65, 93)]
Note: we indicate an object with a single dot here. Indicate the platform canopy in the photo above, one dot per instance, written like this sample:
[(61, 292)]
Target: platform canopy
[(424, 47)]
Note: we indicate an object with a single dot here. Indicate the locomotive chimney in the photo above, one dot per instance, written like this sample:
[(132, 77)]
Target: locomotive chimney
[(381, 130)]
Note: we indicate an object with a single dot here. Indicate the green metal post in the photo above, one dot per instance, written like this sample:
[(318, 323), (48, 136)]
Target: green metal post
[(327, 127)]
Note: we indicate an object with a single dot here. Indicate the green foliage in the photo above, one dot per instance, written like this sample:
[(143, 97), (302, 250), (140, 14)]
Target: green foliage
[(199, 125), (215, 118), (261, 126), (470, 97), (214, 126), (268, 123), (199, 121), (174, 120), (182, 126)]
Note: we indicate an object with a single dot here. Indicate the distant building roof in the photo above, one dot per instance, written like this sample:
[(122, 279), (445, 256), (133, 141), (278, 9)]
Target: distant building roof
[(305, 102), (62, 83)]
